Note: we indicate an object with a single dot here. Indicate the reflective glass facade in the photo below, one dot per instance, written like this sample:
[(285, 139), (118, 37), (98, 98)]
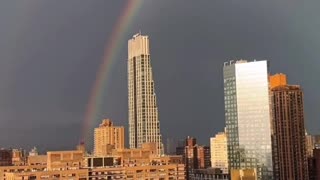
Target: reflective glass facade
[(247, 113)]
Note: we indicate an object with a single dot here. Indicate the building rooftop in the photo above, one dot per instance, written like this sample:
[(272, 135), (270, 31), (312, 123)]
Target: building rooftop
[(286, 87), (106, 123), (239, 61)]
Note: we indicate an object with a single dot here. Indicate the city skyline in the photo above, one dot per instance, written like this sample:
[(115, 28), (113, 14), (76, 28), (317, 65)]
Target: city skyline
[(54, 68)]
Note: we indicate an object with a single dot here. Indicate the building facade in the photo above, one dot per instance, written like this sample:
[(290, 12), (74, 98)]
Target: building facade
[(64, 160), (144, 125), (33, 152), (71, 174), (310, 142), (147, 171), (194, 156), (204, 156), (17, 169), (189, 154), (219, 152), (108, 137), (6, 157), (132, 164), (165, 172), (18, 157), (209, 174), (243, 174), (314, 165), (248, 117), (290, 152), (278, 80)]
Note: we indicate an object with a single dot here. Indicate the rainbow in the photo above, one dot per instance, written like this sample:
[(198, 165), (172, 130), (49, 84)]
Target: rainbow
[(113, 47)]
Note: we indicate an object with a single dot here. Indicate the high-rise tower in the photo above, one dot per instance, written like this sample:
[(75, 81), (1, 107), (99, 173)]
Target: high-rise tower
[(248, 117), (290, 157), (108, 137), (144, 125)]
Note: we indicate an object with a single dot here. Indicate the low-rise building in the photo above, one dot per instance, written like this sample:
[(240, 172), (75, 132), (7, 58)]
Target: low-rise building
[(61, 160), (136, 156), (18, 157), (165, 172), (37, 160), (71, 174), (12, 169), (209, 174), (243, 174), (132, 164)]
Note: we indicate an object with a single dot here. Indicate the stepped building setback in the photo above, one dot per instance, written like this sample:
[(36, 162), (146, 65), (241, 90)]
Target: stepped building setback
[(144, 124)]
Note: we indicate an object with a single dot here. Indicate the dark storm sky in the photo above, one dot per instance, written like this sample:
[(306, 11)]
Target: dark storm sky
[(51, 50)]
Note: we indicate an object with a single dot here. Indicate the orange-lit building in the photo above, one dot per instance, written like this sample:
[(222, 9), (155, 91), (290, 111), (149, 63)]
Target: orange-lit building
[(136, 156), (219, 152), (137, 163), (37, 160), (277, 80), (81, 147), (12, 169), (71, 174), (18, 157), (243, 174), (60, 160), (108, 137), (166, 172)]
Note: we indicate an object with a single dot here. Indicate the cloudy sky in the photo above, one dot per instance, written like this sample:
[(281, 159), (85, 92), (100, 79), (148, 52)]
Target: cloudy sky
[(50, 52)]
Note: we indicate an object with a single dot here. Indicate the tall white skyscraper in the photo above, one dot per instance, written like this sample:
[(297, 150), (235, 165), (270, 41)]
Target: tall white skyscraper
[(219, 152), (144, 125), (248, 116)]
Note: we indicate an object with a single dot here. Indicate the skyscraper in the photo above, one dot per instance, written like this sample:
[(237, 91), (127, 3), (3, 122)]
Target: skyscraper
[(219, 153), (108, 137), (144, 125), (248, 117), (290, 156)]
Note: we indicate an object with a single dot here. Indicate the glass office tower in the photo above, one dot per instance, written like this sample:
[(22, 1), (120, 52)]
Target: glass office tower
[(248, 117)]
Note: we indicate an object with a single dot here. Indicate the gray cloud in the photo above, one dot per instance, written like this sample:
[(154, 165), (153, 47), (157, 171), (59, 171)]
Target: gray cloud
[(51, 50)]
